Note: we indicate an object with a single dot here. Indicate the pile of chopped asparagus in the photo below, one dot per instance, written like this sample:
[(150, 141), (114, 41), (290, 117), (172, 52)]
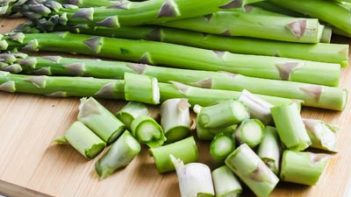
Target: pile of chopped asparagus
[(235, 73)]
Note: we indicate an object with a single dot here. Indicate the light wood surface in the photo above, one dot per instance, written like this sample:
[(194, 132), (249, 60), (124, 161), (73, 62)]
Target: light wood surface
[(31, 166)]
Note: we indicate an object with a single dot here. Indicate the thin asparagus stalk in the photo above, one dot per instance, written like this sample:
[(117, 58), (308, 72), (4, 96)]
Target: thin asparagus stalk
[(277, 9), (131, 111), (148, 131), (225, 183), (251, 170), (194, 178), (302, 167), (269, 149), (180, 56), (101, 121), (250, 132), (185, 149), (83, 140), (175, 119), (121, 153), (315, 96), (322, 135), (221, 146), (291, 128)]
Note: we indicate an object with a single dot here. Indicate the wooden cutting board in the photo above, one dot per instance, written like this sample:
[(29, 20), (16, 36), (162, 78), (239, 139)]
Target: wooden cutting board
[(31, 166)]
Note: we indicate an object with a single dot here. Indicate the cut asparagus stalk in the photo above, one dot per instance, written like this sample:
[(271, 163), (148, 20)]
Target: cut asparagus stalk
[(101, 121), (302, 167), (141, 88), (175, 119), (185, 149), (250, 132), (131, 111), (223, 114), (121, 153), (181, 56), (327, 97), (194, 178), (291, 128), (221, 146), (225, 183), (83, 140), (148, 131), (322, 135), (252, 171), (269, 149)]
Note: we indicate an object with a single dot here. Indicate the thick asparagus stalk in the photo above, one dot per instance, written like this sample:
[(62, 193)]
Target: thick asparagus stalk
[(148, 131), (302, 167), (269, 149), (83, 140), (101, 121), (180, 56), (252, 171), (175, 119), (322, 135), (185, 149), (120, 154), (194, 178), (291, 128), (225, 183), (221, 146), (250, 132), (131, 111)]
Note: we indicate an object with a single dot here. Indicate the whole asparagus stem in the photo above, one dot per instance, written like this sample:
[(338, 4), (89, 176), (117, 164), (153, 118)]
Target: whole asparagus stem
[(121, 153), (181, 56), (251, 170), (194, 178), (322, 135), (250, 132), (225, 183), (269, 149), (101, 121), (185, 149), (277, 9), (131, 111), (302, 167), (221, 146), (83, 140), (175, 119), (291, 128), (314, 96)]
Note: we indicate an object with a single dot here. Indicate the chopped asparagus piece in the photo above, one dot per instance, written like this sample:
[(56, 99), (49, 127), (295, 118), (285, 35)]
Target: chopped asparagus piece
[(225, 182), (132, 111), (250, 132), (221, 146), (322, 135)]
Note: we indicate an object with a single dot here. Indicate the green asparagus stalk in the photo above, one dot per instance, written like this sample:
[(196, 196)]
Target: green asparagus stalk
[(221, 146), (194, 178), (250, 132), (185, 149), (175, 119), (83, 140), (291, 128), (269, 149), (315, 96), (180, 56), (131, 111), (302, 167), (121, 153), (251, 170), (148, 131), (101, 121), (225, 183), (322, 135), (277, 9)]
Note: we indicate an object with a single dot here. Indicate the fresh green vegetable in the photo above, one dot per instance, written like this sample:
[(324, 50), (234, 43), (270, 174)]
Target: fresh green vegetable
[(250, 132), (131, 111), (221, 146), (322, 135), (225, 183)]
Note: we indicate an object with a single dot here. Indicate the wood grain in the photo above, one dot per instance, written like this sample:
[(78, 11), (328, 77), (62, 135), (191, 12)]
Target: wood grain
[(31, 166)]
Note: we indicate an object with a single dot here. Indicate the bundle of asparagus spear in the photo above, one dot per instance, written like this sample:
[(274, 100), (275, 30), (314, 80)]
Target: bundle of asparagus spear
[(246, 67)]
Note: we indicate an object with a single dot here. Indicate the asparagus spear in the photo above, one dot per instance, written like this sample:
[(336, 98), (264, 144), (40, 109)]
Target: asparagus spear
[(322, 135), (180, 56), (121, 153), (148, 131), (251, 170), (175, 119), (185, 149), (225, 183), (290, 127), (83, 140), (250, 132), (194, 178), (131, 111), (221, 146), (269, 149), (302, 167)]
